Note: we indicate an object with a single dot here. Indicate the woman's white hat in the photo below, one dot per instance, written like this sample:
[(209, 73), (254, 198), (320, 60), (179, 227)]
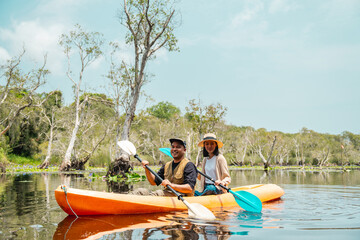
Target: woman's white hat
[(210, 137)]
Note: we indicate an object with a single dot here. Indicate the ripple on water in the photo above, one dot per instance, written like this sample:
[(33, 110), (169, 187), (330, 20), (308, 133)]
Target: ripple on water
[(318, 206)]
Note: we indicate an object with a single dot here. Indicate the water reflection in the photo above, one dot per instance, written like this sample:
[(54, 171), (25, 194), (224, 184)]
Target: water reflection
[(147, 226), (324, 177), (119, 187), (69, 179), (325, 201), (158, 226), (250, 219), (97, 226)]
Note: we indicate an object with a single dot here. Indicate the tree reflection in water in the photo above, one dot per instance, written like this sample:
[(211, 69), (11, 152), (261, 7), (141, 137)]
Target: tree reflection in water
[(118, 187)]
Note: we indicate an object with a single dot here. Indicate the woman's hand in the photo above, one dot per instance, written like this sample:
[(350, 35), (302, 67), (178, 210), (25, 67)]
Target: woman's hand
[(218, 182)]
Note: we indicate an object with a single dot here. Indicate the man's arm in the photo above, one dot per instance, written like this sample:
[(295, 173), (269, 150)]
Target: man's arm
[(183, 188), (150, 177)]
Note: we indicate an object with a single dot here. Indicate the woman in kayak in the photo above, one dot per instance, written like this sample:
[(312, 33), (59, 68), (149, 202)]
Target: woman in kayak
[(214, 165)]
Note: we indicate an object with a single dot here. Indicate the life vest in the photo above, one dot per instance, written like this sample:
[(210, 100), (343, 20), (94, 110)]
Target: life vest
[(176, 176)]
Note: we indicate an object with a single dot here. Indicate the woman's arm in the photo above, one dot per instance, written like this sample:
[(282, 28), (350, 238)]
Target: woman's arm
[(224, 171)]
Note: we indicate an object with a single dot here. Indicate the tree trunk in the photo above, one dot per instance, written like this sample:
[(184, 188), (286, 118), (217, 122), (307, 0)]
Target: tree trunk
[(120, 166), (198, 156), (67, 159), (131, 112), (267, 164), (45, 164), (148, 34), (66, 164), (2, 167), (188, 149), (242, 160), (323, 159)]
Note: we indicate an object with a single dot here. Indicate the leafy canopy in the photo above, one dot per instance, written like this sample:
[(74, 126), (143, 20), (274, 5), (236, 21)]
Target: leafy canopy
[(164, 110)]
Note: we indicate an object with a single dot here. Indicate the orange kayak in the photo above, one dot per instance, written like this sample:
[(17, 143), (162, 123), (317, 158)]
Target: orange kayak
[(86, 202)]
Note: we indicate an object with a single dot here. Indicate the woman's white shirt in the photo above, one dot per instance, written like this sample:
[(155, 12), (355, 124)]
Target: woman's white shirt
[(210, 169)]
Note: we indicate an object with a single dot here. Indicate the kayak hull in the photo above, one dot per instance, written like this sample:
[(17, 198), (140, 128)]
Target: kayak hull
[(86, 202)]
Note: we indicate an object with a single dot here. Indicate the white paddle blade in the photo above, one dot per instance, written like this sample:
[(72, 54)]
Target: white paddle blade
[(196, 210), (127, 147)]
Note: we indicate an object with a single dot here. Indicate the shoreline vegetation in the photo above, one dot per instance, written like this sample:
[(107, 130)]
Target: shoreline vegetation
[(23, 165), (31, 166), (246, 148)]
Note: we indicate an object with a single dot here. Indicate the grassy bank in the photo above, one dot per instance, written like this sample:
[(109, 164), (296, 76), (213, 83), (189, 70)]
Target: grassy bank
[(15, 159), (24, 164)]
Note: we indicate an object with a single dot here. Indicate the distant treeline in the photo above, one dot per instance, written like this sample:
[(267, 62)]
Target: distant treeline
[(43, 129)]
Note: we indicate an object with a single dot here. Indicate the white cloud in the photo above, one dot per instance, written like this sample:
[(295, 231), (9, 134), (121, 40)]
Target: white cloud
[(124, 53), (97, 63), (192, 40), (38, 40), (61, 8), (161, 56), (282, 6), (341, 8), (323, 59), (4, 55), (250, 12)]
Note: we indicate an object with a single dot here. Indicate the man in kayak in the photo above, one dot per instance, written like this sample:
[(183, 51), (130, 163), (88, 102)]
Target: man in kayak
[(180, 173)]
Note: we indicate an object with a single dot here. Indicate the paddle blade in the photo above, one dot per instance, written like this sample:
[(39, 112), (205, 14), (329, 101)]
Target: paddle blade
[(167, 151), (248, 201), (196, 210), (127, 147)]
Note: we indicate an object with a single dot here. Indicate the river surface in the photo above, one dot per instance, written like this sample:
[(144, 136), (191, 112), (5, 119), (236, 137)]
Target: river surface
[(316, 205)]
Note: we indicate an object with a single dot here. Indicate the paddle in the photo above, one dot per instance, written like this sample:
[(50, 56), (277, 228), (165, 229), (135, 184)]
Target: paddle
[(248, 201), (195, 210)]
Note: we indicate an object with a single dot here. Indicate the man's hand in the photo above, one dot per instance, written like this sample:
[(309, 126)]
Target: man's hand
[(166, 182), (144, 163)]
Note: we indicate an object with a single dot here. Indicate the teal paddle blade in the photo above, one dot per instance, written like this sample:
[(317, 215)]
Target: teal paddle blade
[(167, 151), (248, 201)]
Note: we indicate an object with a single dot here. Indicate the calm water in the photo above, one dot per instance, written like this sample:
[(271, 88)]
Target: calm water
[(316, 205)]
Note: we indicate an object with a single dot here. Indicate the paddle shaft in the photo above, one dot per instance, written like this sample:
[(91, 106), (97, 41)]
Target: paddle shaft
[(235, 194), (156, 175), (208, 177)]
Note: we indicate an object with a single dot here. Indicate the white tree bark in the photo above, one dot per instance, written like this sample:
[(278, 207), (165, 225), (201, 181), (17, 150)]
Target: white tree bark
[(88, 46), (149, 32)]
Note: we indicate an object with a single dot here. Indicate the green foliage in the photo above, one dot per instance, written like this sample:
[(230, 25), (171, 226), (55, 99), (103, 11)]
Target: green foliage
[(163, 110), (53, 100), (3, 157), (100, 104), (204, 118), (16, 159), (28, 168), (89, 43), (26, 133), (150, 22), (129, 178), (349, 138)]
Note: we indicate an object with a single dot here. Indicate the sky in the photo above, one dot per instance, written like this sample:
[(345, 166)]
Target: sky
[(281, 65)]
